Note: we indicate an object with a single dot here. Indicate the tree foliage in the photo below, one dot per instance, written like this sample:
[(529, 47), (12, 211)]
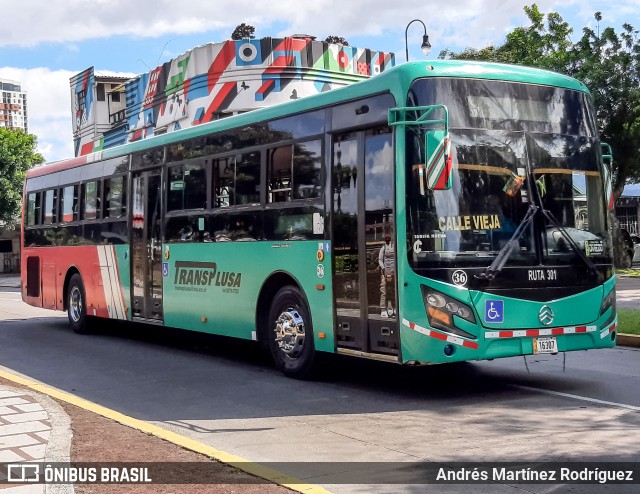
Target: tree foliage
[(543, 45), (243, 31), (339, 40), (17, 155), (607, 62)]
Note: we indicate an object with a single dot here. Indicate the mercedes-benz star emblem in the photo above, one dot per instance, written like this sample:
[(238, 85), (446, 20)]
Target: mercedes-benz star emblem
[(545, 315)]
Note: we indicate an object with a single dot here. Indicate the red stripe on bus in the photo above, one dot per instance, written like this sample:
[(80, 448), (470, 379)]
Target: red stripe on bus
[(470, 344), (532, 332), (506, 334), (439, 336), (581, 329), (557, 331)]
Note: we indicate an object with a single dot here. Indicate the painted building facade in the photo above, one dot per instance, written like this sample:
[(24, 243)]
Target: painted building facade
[(13, 105), (209, 82)]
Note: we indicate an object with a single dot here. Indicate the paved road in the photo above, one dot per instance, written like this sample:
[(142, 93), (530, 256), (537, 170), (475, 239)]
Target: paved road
[(225, 393)]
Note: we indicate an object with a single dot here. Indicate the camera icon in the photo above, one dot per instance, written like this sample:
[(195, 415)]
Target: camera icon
[(23, 472)]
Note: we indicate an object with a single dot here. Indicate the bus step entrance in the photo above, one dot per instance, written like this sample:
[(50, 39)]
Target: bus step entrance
[(381, 336)]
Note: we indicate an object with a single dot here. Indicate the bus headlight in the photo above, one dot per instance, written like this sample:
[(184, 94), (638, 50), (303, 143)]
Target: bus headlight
[(436, 300), (608, 301), (441, 309)]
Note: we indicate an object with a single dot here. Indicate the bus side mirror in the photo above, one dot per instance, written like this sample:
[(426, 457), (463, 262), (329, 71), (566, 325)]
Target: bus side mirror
[(607, 162), (434, 119), (439, 169), (607, 155)]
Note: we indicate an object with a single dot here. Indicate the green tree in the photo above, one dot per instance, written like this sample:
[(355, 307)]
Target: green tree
[(243, 31), (609, 64), (543, 45), (339, 40), (17, 155)]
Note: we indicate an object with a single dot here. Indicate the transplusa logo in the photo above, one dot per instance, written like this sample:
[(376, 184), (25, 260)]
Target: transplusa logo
[(197, 276)]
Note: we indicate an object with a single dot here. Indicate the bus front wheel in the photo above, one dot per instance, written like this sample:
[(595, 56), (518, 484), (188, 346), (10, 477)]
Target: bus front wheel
[(290, 333), (76, 305)]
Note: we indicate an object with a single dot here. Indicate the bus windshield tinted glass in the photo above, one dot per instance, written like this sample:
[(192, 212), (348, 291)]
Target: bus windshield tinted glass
[(512, 145)]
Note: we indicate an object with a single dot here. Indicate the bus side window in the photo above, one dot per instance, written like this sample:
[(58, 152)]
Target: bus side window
[(247, 179), (187, 187), (280, 164), (33, 209), (307, 170), (223, 182), (50, 206), (115, 197), (175, 190), (69, 208), (294, 172), (91, 200), (195, 186), (38, 214)]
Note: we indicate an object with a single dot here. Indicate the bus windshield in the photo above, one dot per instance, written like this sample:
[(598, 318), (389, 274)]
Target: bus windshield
[(512, 145)]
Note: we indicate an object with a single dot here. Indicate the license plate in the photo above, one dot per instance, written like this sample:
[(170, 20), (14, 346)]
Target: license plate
[(545, 345)]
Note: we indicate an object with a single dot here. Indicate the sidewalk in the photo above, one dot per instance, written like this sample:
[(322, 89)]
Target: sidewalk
[(35, 427)]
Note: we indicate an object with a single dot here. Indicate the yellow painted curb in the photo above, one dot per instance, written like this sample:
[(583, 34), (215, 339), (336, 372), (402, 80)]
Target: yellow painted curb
[(190, 444)]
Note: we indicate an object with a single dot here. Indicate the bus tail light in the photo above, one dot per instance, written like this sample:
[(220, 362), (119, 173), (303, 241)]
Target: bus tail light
[(441, 309)]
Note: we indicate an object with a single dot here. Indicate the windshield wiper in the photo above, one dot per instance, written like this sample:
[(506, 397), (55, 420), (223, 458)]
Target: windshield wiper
[(503, 255), (549, 215)]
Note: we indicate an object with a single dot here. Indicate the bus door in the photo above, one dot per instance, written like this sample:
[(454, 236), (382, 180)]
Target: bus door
[(146, 245), (362, 205)]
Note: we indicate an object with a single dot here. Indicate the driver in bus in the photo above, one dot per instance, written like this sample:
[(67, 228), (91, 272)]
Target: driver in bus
[(387, 277)]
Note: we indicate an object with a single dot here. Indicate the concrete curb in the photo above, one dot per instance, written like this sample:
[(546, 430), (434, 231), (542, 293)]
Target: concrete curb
[(632, 340), (235, 461), (59, 446)]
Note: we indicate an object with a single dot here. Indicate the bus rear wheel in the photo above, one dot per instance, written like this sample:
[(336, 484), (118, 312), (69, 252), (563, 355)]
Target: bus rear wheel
[(290, 334), (76, 305)]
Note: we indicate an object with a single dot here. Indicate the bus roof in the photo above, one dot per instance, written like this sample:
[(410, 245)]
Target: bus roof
[(384, 82)]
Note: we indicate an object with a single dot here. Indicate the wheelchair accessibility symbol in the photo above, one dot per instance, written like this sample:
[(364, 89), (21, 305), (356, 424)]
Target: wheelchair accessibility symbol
[(494, 311)]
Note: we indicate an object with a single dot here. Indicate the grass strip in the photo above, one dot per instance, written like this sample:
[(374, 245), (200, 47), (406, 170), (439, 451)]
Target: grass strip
[(629, 321)]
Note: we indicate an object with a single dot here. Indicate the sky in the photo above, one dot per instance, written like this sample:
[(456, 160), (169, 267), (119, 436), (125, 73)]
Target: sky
[(45, 42)]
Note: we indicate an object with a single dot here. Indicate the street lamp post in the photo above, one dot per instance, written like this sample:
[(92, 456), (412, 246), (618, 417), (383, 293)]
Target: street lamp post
[(426, 46)]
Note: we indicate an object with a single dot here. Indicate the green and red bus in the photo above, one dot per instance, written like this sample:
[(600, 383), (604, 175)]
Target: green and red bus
[(489, 181)]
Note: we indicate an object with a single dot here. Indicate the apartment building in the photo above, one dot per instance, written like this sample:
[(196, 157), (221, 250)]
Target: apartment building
[(13, 105), (13, 115)]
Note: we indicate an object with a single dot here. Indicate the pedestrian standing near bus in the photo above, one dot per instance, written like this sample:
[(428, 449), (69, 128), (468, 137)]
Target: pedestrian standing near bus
[(386, 262)]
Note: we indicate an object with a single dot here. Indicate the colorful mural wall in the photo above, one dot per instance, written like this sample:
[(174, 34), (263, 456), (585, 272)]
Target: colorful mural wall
[(220, 79), (82, 92)]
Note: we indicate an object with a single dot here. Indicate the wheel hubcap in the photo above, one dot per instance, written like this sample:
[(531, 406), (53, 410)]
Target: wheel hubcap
[(290, 332), (75, 304)]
